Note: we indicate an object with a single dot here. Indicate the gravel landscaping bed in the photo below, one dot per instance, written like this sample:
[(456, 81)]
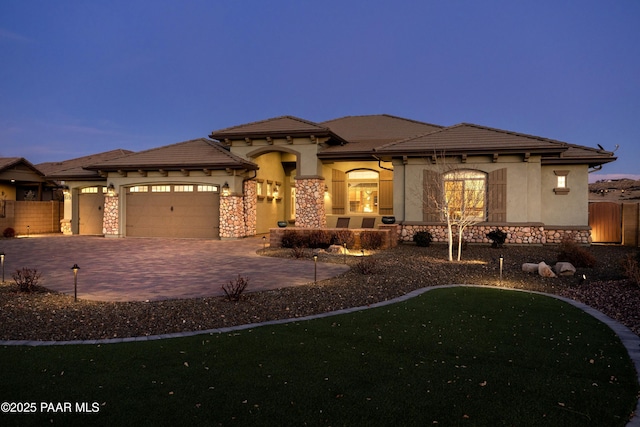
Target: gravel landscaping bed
[(45, 315)]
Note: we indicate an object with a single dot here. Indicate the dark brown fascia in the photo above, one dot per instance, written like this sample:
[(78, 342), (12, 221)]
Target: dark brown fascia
[(591, 161), (165, 168), (242, 136)]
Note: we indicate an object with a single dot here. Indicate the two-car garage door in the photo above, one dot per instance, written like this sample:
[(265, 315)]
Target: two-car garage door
[(173, 210)]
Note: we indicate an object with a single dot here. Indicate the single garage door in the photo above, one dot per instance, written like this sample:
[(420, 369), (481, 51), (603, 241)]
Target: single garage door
[(173, 210), (90, 210)]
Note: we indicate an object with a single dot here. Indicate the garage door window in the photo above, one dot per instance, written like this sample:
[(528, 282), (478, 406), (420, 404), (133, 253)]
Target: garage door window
[(139, 189), (183, 188), (160, 188), (207, 188)]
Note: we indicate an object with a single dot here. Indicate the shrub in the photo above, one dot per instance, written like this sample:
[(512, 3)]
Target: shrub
[(235, 288), (497, 238), (366, 265), (319, 239), (371, 239), (631, 267), (569, 251), (422, 238), (340, 237), (26, 279), (294, 239), (298, 252), (9, 233)]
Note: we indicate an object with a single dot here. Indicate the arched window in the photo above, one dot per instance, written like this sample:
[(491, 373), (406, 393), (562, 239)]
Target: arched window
[(465, 194), (363, 191)]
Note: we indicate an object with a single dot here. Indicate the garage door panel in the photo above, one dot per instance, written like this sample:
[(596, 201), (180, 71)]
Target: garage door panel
[(170, 214)]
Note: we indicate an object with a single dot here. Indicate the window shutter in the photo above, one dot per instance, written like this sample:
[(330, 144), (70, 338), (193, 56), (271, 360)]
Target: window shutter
[(385, 202), (338, 192), (497, 195), (432, 195)]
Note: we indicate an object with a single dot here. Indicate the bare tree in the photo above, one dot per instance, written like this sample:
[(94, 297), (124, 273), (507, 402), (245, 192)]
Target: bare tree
[(456, 195)]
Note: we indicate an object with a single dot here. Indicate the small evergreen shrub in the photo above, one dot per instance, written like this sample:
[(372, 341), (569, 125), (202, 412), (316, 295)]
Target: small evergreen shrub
[(340, 237), (235, 288), (497, 238), (26, 279), (422, 238), (319, 239), (371, 239), (569, 251), (298, 252), (294, 239), (631, 267), (9, 233), (366, 265)]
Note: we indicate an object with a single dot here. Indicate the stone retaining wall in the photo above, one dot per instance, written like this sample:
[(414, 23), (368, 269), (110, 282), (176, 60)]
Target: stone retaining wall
[(515, 234)]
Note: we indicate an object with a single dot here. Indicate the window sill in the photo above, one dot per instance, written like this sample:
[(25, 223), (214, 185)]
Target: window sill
[(561, 191)]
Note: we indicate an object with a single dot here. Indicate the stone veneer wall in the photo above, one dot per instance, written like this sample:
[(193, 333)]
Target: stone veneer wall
[(232, 221), (310, 211), (110, 225), (250, 207), (515, 234)]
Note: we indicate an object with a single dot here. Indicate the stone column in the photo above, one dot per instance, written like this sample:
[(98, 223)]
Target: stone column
[(65, 223), (110, 225), (250, 213), (310, 211), (232, 221)]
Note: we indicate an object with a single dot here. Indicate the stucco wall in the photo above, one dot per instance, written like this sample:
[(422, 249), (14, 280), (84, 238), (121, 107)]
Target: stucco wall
[(270, 209), (570, 208)]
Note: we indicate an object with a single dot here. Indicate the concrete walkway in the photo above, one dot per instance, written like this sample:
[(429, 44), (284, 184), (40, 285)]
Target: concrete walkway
[(139, 269)]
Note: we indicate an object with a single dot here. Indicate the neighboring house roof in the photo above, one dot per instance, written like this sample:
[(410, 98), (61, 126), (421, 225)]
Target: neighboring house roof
[(277, 127), (20, 164), (75, 168), (471, 139), (365, 133), (195, 154)]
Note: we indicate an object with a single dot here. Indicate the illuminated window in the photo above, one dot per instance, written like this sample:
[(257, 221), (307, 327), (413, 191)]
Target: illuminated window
[(260, 188), (183, 188), (363, 191), (269, 185), (207, 188), (562, 182), (160, 188), (89, 190), (465, 194), (139, 189)]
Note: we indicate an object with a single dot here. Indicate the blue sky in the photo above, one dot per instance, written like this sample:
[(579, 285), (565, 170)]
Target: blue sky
[(81, 77)]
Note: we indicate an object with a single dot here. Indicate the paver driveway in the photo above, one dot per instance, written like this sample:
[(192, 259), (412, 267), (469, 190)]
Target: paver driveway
[(139, 269)]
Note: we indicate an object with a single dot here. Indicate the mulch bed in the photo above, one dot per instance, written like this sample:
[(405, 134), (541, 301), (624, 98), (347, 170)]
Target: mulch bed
[(44, 315)]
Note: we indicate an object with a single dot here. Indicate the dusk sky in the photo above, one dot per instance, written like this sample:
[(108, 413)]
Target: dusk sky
[(82, 77)]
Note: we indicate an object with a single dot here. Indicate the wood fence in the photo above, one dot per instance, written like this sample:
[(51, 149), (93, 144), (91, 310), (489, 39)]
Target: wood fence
[(617, 223)]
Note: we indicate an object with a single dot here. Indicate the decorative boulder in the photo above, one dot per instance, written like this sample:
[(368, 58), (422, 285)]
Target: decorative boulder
[(545, 271), (529, 267), (564, 269), (336, 249)]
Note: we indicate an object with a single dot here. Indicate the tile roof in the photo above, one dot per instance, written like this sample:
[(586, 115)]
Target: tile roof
[(7, 163), (194, 154), (74, 168), (274, 127), (365, 133), (466, 138)]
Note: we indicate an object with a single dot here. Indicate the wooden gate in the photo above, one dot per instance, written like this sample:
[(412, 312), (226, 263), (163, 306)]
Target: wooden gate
[(605, 220)]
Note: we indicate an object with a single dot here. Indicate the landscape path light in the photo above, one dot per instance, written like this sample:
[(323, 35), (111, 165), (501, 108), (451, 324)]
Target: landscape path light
[(315, 268), (344, 251), (501, 263), (75, 269), (2, 262), (264, 242)]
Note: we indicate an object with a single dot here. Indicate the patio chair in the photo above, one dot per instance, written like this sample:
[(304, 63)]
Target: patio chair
[(343, 223), (368, 222)]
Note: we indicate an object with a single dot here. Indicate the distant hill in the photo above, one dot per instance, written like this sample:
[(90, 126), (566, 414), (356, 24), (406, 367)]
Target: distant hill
[(611, 190)]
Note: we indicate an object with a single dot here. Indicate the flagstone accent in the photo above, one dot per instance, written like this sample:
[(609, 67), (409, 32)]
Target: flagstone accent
[(110, 227), (232, 217), (310, 212)]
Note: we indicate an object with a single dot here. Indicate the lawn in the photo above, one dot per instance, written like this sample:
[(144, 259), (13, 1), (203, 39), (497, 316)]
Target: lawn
[(456, 356)]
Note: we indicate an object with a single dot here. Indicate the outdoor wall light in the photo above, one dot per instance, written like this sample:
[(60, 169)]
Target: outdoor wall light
[(75, 269), (111, 190), (225, 189), (276, 191)]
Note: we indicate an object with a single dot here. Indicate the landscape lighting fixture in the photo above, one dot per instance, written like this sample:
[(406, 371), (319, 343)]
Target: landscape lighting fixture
[(75, 269), (315, 268), (2, 262)]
